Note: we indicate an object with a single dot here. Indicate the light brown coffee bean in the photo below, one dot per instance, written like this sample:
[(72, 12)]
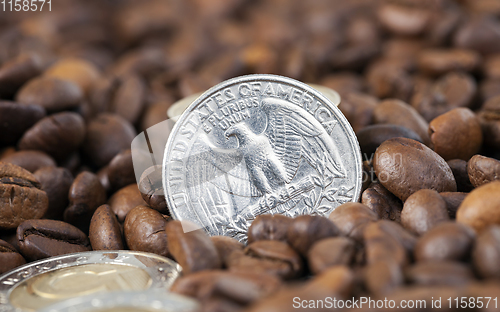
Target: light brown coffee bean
[(486, 252), (144, 230), (423, 210), (389, 78), (124, 200), (269, 227), (225, 247), (403, 20), (404, 166), (482, 170), (330, 252), (432, 273), (30, 160), (56, 182), (480, 208), (192, 249), (456, 134), (383, 277), (440, 61), (352, 218), (382, 202), (78, 71), (382, 246), (104, 231), (129, 98), (305, 230), (21, 197)]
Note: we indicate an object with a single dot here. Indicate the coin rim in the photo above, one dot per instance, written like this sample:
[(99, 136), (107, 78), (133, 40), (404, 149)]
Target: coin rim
[(272, 78)]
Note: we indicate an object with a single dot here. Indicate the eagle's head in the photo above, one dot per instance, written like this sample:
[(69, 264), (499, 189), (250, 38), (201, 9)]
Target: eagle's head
[(240, 131)]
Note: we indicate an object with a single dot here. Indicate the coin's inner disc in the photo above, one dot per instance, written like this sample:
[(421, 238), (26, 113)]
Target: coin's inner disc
[(47, 288)]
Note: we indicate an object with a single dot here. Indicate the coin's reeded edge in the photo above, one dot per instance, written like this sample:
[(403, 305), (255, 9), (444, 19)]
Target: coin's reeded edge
[(10, 280), (271, 78)]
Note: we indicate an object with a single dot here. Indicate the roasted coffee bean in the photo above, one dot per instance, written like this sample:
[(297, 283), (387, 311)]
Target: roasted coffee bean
[(440, 61), (268, 256), (40, 239), (105, 232), (352, 218), (269, 227), (423, 210), (30, 160), (85, 195), (380, 245), (128, 99), (459, 169), (371, 137), (439, 273), (330, 252), (385, 227), (453, 200), (9, 257), (382, 202), (121, 170), (486, 252), (151, 188), (344, 83), (480, 208), (480, 33), (15, 72), (144, 230), (403, 20), (107, 135), (448, 241), (225, 247), (21, 196), (191, 247), (404, 166), (358, 109), (125, 200), (482, 170), (53, 94), (338, 281), (56, 182), (399, 113), (15, 119), (305, 230), (383, 277), (78, 71), (389, 78), (58, 135), (456, 134), (103, 177)]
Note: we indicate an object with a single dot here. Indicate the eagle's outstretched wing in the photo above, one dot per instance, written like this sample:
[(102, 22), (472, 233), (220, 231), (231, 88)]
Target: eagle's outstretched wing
[(294, 134), (224, 168)]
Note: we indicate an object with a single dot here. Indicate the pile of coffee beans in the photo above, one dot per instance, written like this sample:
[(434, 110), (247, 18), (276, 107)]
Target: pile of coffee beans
[(420, 85)]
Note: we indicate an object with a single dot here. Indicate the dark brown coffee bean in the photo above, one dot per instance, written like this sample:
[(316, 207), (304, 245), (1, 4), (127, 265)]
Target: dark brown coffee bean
[(448, 241), (423, 210), (225, 247), (105, 232), (15, 72), (456, 134), (103, 177), (453, 200), (480, 208), (146, 62), (58, 135), (128, 99), (107, 135), (482, 170), (40, 239), (489, 88), (388, 78), (358, 109), (30, 160), (330, 252), (124, 200), (381, 245), (383, 277), (371, 137), (486, 252), (21, 197), (481, 33), (85, 195), (15, 119), (144, 230), (459, 169), (9, 257), (439, 273), (399, 113), (121, 170), (352, 218), (437, 62), (78, 71), (491, 66), (51, 93), (269, 227), (151, 189), (56, 182), (192, 249), (404, 166), (382, 202), (305, 230)]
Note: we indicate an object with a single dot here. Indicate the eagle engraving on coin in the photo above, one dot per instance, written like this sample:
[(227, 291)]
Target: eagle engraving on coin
[(259, 144)]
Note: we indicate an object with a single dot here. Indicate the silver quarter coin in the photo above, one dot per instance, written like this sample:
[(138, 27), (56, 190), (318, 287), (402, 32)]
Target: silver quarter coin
[(42, 283), (147, 301), (259, 144)]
